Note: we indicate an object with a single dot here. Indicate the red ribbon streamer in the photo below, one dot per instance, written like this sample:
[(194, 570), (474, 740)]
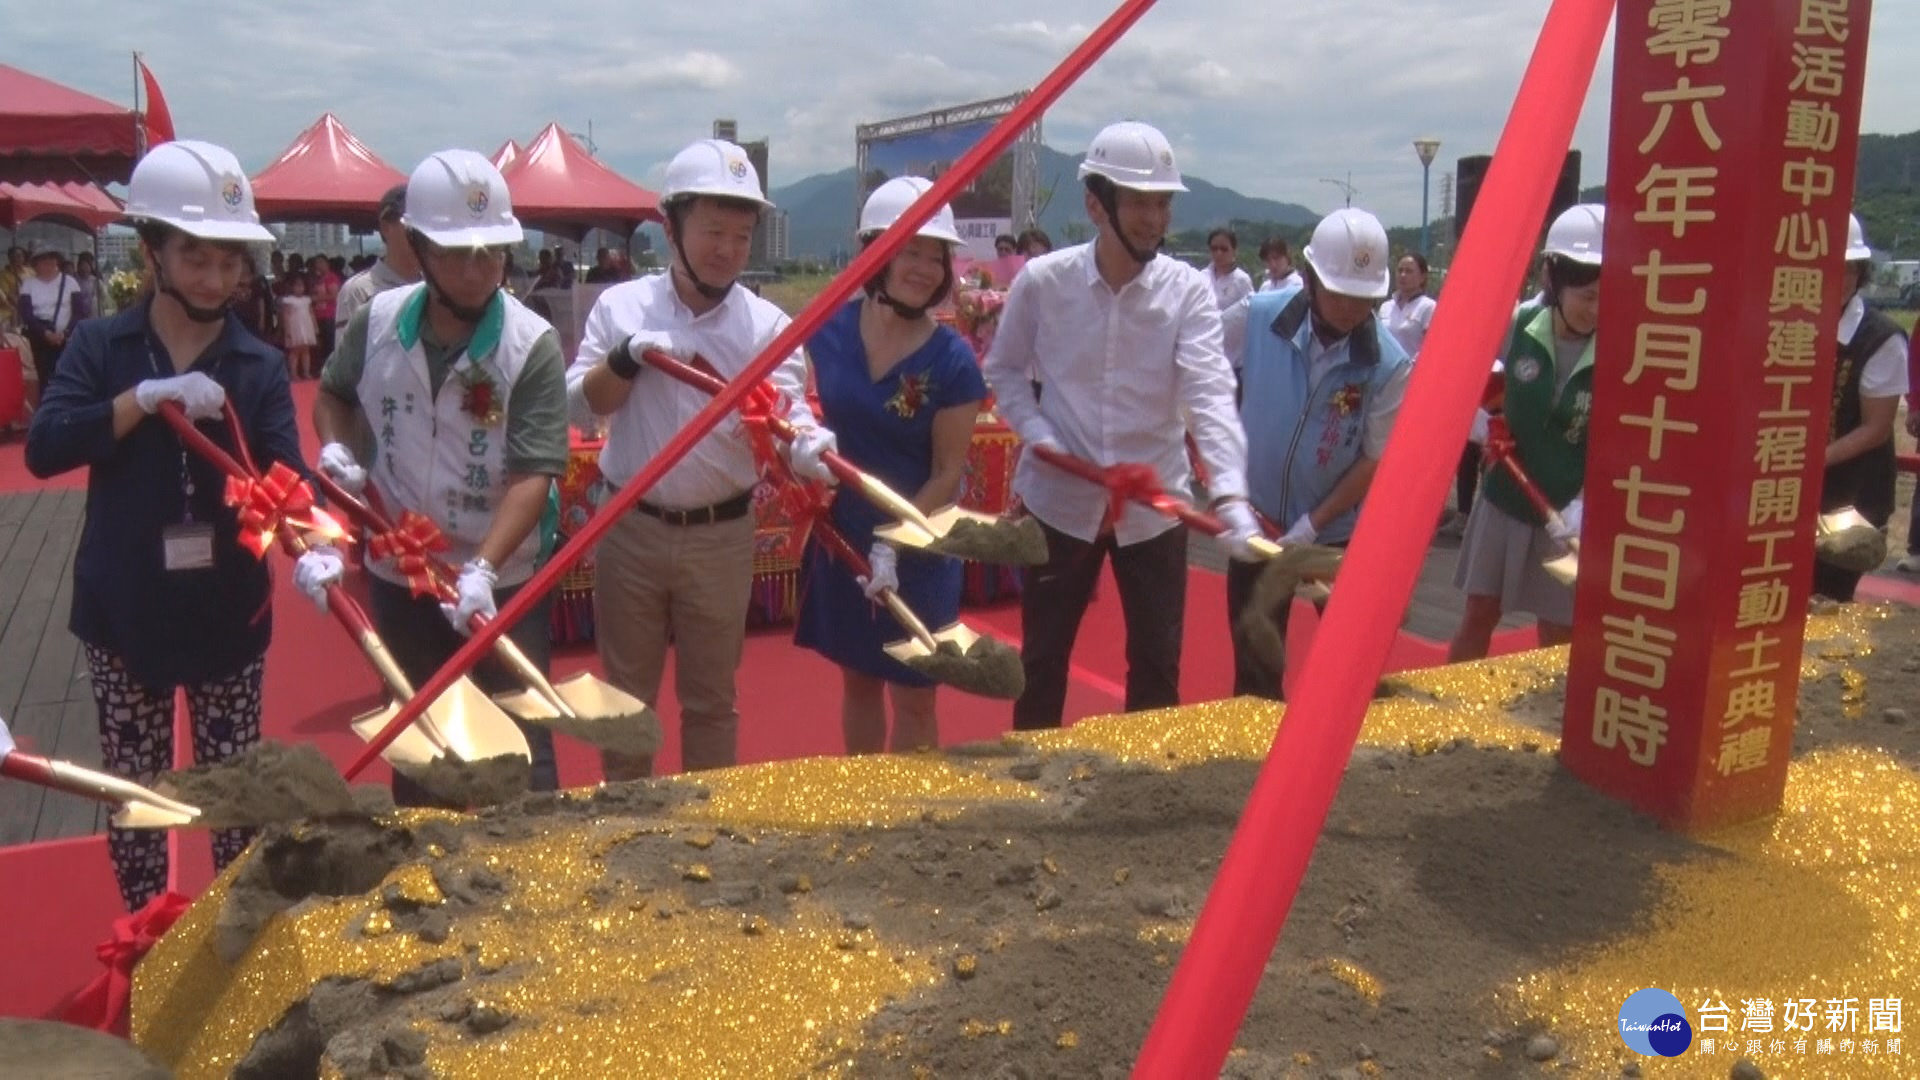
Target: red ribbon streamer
[(1234, 938), (264, 503), (102, 1004), (411, 545)]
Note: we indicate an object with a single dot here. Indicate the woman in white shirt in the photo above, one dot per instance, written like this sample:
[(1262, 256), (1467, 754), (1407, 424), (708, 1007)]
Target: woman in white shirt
[(1409, 311)]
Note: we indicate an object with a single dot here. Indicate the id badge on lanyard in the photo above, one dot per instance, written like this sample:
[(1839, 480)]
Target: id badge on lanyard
[(187, 545)]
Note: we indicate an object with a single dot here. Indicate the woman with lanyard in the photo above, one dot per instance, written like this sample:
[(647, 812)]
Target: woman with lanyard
[(165, 595), (902, 393), (1549, 395)]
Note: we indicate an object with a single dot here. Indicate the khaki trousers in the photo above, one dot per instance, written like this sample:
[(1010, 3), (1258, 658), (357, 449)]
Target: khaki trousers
[(657, 584)]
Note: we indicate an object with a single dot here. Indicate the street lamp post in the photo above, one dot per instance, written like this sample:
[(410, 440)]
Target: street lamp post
[(1426, 147)]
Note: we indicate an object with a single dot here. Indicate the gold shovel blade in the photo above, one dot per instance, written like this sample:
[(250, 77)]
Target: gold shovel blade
[(1563, 569), (905, 534), (603, 715), (913, 648), (1841, 520), (472, 726), (139, 815)]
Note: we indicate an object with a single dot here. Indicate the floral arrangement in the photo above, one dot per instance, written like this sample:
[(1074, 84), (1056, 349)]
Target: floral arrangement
[(125, 286), (976, 312), (481, 398), (1348, 399)]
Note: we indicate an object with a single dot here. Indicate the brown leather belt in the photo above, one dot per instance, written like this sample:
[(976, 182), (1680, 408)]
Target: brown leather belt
[(731, 510)]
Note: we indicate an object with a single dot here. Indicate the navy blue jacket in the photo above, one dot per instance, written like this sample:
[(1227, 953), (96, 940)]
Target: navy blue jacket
[(169, 628)]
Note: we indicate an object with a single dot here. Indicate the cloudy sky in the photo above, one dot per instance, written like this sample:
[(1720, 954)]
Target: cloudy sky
[(1265, 97)]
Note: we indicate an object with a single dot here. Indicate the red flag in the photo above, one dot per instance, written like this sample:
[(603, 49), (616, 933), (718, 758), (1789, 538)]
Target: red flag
[(159, 119)]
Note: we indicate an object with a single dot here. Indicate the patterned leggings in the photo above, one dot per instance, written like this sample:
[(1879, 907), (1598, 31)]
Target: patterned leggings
[(136, 742)]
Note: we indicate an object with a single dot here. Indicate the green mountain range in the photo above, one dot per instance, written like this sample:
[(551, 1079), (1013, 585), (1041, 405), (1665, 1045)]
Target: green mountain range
[(821, 209)]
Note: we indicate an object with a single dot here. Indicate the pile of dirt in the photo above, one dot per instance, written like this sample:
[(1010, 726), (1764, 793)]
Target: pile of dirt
[(988, 667), (45, 1050), (1442, 876), (270, 782), (1002, 542)]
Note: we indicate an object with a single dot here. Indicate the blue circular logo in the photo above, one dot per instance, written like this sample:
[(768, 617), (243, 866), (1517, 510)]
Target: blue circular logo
[(1654, 1023)]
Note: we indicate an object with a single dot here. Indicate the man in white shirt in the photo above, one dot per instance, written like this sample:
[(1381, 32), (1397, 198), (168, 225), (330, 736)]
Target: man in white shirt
[(396, 268), (1128, 346), (679, 568)]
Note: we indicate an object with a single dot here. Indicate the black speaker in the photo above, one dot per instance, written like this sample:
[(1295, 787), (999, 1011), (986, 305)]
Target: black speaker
[(1470, 171)]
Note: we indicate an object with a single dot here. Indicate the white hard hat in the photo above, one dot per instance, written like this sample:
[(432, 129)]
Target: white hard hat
[(1857, 248), (457, 199), (891, 199), (198, 188), (712, 167), (1133, 155), (1348, 254), (1575, 235)]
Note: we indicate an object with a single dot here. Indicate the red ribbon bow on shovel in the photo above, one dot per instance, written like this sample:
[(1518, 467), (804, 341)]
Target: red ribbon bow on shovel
[(1125, 483), (102, 1005), (411, 544), (264, 503)]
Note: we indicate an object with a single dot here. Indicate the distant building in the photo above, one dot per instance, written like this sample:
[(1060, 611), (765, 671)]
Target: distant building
[(312, 237), (114, 248), (774, 225)]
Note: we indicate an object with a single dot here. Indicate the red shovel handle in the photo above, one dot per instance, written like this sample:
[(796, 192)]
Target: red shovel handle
[(1157, 500), (846, 471), (17, 765), (1500, 448)]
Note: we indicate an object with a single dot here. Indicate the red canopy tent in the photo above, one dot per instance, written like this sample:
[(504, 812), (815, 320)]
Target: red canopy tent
[(79, 206), (504, 157), (53, 132), (327, 175), (557, 187)]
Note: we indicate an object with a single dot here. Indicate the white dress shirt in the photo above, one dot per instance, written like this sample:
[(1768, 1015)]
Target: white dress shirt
[(1408, 322), (1126, 371), (1291, 281), (721, 465)]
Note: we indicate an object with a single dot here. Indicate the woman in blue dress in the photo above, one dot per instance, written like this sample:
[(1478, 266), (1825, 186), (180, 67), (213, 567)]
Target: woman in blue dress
[(901, 392)]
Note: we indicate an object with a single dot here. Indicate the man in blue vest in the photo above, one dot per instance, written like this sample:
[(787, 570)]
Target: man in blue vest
[(1323, 382)]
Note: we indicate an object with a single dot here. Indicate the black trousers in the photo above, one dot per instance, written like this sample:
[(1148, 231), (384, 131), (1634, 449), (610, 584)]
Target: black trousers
[(46, 356), (1250, 676), (422, 641), (1466, 479), (1152, 578)]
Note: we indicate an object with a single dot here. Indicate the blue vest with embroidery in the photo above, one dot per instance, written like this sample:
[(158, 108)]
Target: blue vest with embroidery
[(1301, 439)]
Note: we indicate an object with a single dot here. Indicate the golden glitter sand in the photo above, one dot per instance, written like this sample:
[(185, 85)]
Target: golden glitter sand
[(1819, 903)]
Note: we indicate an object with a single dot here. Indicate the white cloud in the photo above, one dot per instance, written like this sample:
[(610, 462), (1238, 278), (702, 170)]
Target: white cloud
[(1268, 99)]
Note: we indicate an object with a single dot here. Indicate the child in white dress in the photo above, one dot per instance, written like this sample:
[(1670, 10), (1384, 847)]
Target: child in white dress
[(298, 328)]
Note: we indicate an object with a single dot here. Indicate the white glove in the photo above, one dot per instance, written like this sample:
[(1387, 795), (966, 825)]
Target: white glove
[(199, 396), (316, 569), (337, 462), (1569, 520), (1302, 532), (654, 339), (1477, 434), (810, 444), (1242, 530), (476, 595), (884, 566)]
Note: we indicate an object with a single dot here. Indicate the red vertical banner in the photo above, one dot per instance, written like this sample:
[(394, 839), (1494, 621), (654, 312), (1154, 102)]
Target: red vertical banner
[(1730, 177)]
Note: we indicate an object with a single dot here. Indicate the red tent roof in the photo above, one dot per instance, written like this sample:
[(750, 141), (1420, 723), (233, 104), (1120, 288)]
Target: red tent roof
[(81, 206), (327, 175), (53, 132), (556, 186), (508, 153)]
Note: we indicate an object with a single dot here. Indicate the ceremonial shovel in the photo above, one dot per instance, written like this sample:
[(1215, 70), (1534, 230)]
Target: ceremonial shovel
[(583, 707), (1563, 568), (1849, 541), (462, 723), (963, 534), (136, 807), (975, 664)]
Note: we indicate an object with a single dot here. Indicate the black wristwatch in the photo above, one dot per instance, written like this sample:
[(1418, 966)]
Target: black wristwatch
[(621, 361)]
